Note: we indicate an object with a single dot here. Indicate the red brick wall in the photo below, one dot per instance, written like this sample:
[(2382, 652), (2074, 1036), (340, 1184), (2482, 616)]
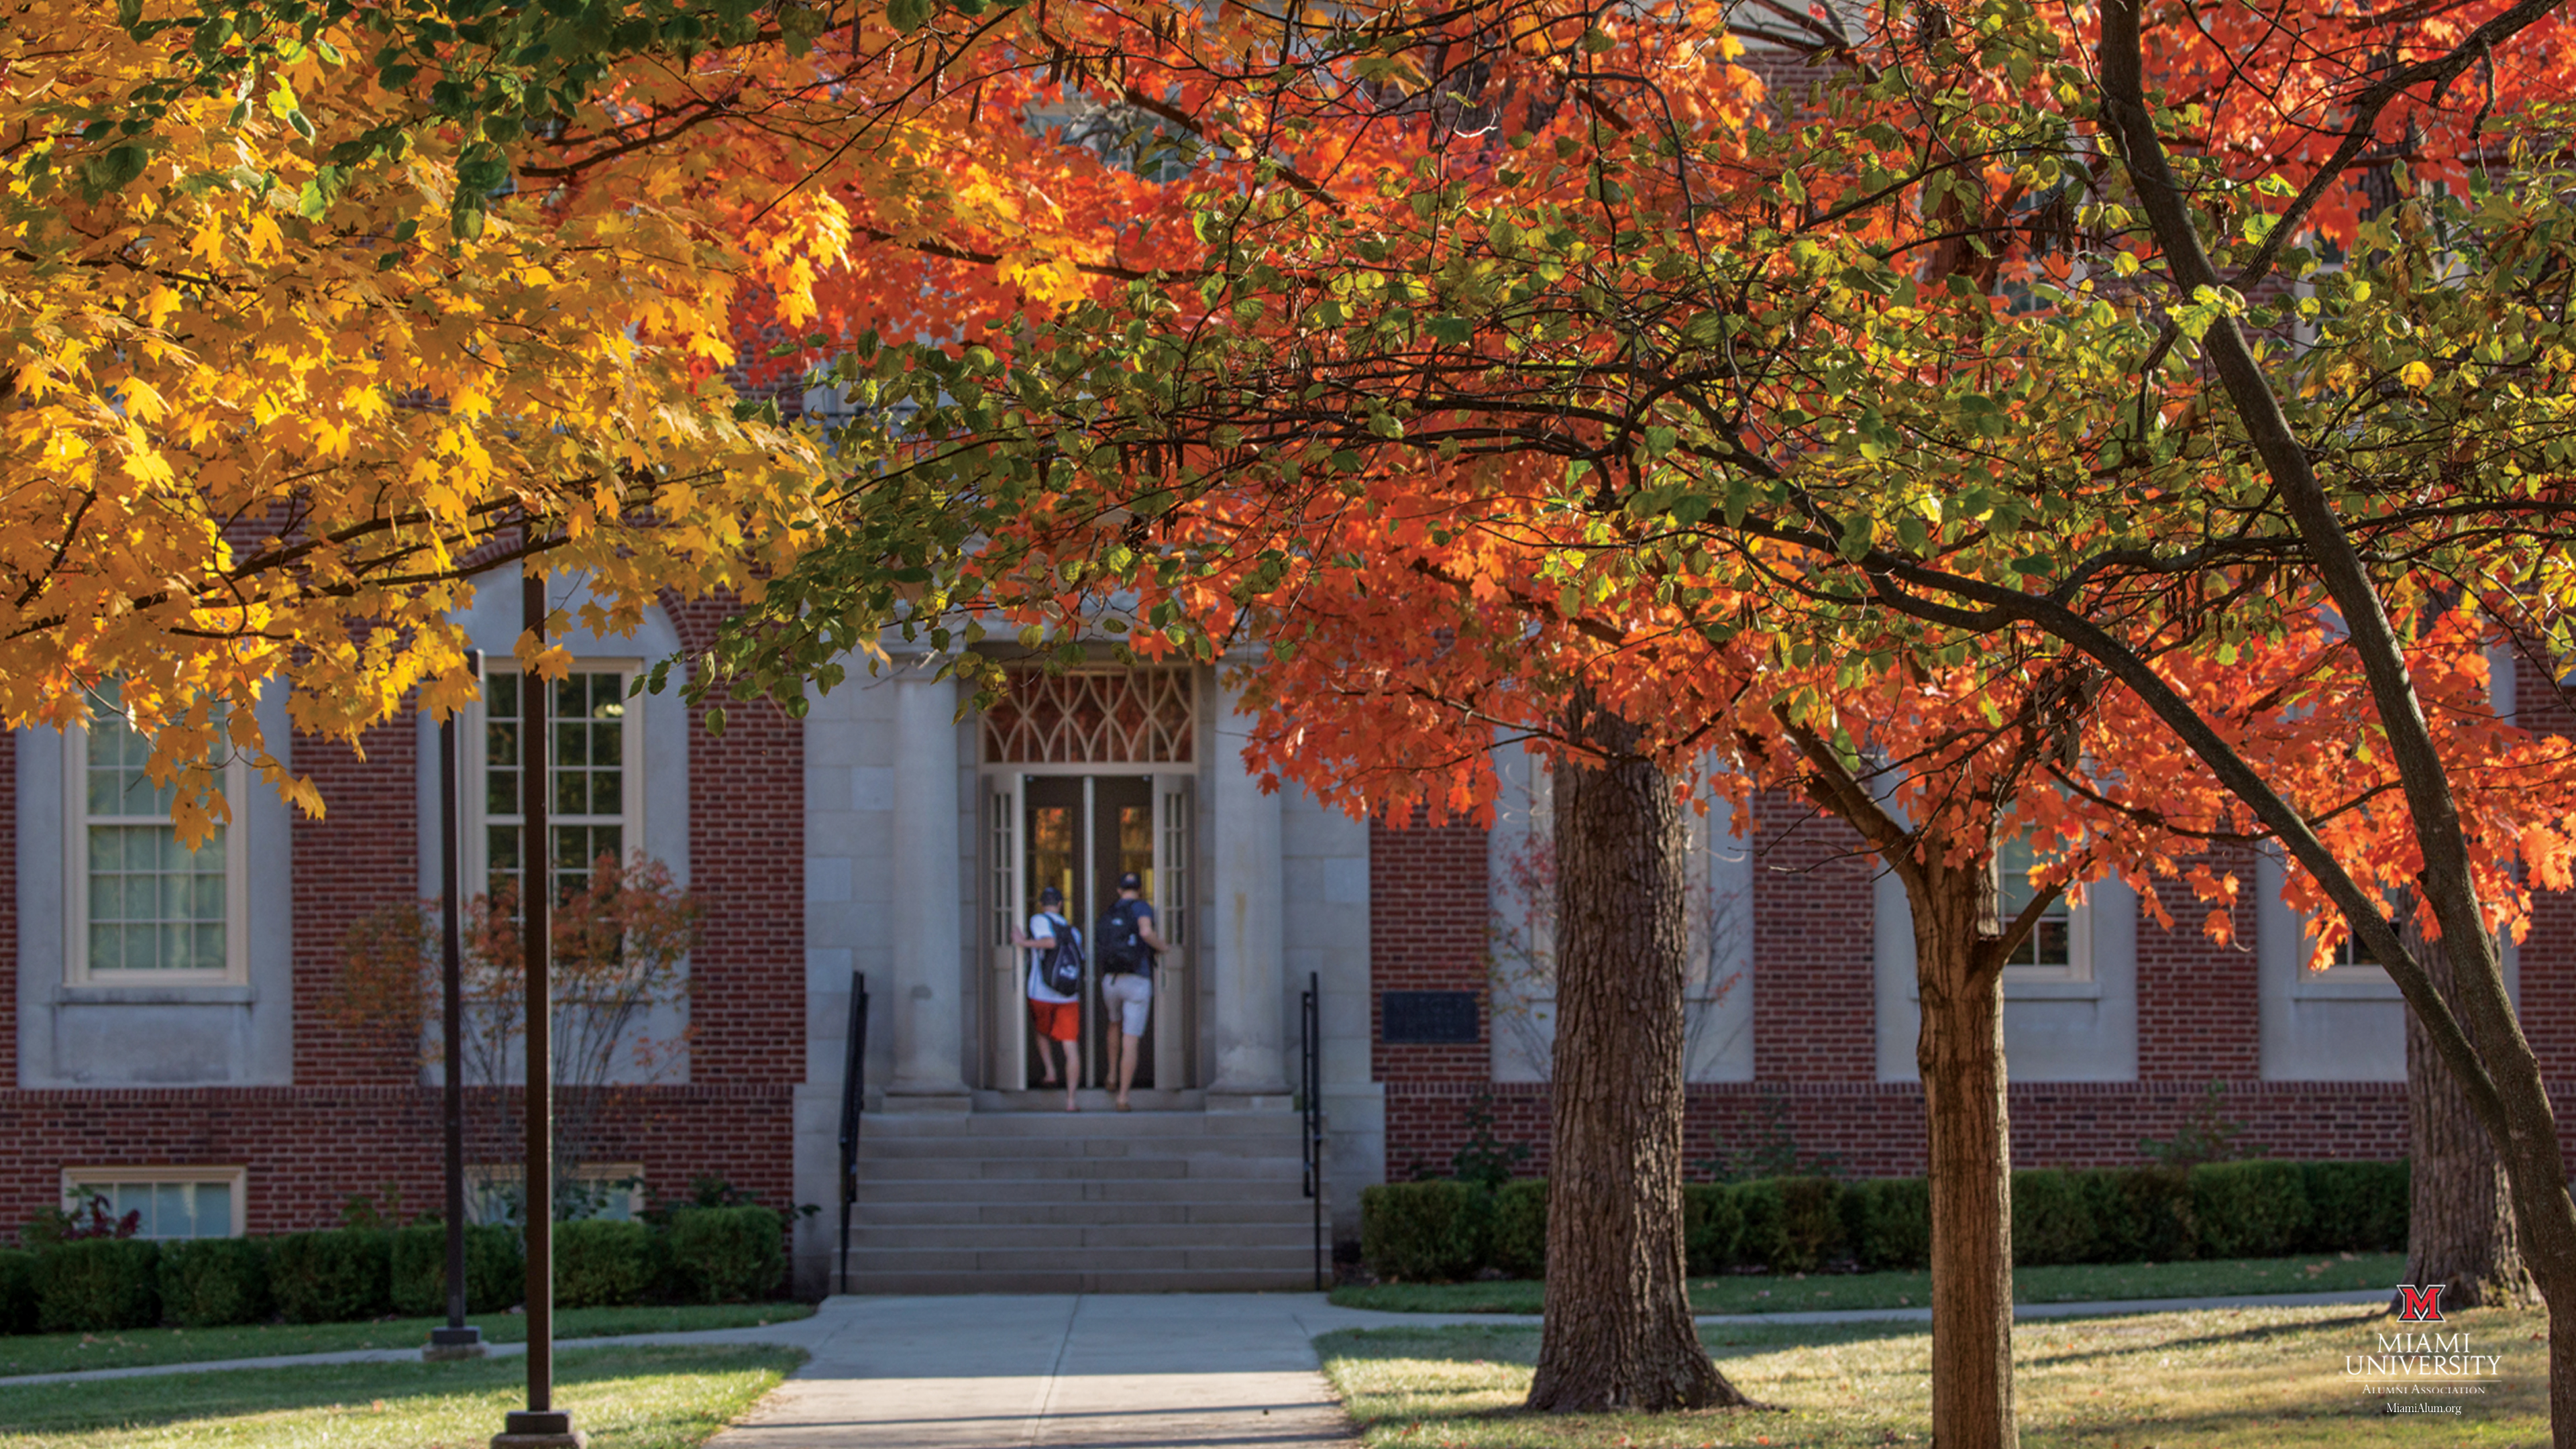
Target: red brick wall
[(362, 854), (9, 910), (1428, 914), (2199, 1002), (747, 866), (1875, 1129), (307, 1150), (1814, 1000), (2548, 974)]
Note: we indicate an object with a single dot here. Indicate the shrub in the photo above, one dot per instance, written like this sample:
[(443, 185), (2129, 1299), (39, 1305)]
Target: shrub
[(90, 1285), (1518, 1244), (2052, 1222), (2355, 1207), (333, 1276), (1888, 1221), (1792, 1224), (496, 1275), (1423, 1232), (17, 1291), (210, 1282), (727, 1254), (2140, 1214), (601, 1263), (2249, 1209), (1712, 1227)]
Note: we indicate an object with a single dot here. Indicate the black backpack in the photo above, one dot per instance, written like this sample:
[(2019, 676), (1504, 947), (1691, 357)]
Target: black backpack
[(1061, 968), (1122, 950)]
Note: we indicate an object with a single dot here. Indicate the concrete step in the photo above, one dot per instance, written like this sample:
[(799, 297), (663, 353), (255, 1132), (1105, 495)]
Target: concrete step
[(1128, 1188), (1069, 1280), (1086, 1123), (1038, 1258), (1213, 1166), (1293, 1210), (1082, 1237), (884, 1149)]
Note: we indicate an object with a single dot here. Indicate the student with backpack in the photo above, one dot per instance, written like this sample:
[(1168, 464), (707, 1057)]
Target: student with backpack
[(1128, 945), (1055, 989)]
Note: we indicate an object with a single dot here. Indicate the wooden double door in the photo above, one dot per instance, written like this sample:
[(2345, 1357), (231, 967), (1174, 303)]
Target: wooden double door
[(1080, 833)]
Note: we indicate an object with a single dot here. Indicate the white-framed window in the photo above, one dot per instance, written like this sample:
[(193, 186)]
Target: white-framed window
[(2349, 971), (170, 1202), (2060, 946), (140, 909), (594, 760), (610, 1190)]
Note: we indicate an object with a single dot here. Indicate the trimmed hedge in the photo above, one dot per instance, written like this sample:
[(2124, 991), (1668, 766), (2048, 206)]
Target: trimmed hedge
[(1421, 1232), (2360, 1206), (211, 1282), (2249, 1209), (1519, 1233), (496, 1272), (1888, 1221), (17, 1291), (1794, 1224), (727, 1254), (1436, 1230), (602, 1263), (92, 1285), (1712, 1227), (333, 1276)]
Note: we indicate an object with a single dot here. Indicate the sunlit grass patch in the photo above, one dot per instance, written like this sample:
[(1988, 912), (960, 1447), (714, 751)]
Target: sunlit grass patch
[(46, 1353), (2066, 1283), (643, 1397), (2223, 1379)]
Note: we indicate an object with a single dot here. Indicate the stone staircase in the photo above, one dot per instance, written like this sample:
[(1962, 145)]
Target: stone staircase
[(1092, 1202)]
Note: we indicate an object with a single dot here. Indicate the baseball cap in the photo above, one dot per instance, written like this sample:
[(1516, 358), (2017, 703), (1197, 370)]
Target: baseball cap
[(1050, 896), (1130, 882)]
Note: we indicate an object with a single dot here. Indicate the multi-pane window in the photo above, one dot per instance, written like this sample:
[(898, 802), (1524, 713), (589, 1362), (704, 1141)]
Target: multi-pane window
[(143, 901), (2055, 946), (167, 1202), (589, 734)]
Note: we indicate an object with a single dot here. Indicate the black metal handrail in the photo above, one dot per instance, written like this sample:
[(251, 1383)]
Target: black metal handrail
[(1310, 1102), (854, 1070)]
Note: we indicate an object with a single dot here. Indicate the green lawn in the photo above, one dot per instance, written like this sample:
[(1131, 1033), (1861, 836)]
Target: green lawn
[(44, 1353), (2260, 1378), (631, 1398), (2070, 1283)]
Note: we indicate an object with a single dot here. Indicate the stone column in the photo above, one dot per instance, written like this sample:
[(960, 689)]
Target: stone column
[(924, 905), (1249, 939)]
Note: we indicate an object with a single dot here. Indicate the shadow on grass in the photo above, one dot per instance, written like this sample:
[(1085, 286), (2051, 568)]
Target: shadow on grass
[(158, 1400)]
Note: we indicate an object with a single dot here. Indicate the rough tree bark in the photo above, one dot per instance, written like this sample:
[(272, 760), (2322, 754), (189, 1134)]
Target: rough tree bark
[(1959, 953), (2459, 1226), (1960, 1054), (1618, 1331)]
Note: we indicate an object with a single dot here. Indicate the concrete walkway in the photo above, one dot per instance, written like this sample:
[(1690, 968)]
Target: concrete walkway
[(1016, 1372)]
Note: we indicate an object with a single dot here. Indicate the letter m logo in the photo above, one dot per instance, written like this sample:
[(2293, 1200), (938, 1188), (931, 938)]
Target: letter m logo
[(2420, 1305)]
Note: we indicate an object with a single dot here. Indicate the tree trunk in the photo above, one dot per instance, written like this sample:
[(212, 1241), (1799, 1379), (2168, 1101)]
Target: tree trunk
[(1959, 972), (1618, 1332), (2460, 1225)]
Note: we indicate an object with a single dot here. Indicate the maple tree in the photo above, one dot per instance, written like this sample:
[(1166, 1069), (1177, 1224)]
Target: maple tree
[(1917, 347)]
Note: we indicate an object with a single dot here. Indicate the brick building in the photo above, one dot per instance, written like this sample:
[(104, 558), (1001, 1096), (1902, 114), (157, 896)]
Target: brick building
[(166, 1038)]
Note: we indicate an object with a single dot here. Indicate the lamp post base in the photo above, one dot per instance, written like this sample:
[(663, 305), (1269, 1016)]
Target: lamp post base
[(544, 1429), (454, 1343)]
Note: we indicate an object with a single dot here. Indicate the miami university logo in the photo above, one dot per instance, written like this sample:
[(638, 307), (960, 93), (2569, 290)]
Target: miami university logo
[(2420, 1305)]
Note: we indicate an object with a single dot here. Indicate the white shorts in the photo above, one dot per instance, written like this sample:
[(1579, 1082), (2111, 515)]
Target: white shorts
[(1133, 995)]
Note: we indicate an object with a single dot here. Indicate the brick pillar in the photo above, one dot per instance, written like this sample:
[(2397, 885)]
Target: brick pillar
[(2199, 1002), (1814, 1000)]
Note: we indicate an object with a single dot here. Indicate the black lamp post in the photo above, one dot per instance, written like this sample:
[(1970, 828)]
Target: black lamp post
[(541, 1425), (458, 1339)]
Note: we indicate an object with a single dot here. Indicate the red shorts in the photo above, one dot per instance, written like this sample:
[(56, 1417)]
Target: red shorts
[(1057, 1020)]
